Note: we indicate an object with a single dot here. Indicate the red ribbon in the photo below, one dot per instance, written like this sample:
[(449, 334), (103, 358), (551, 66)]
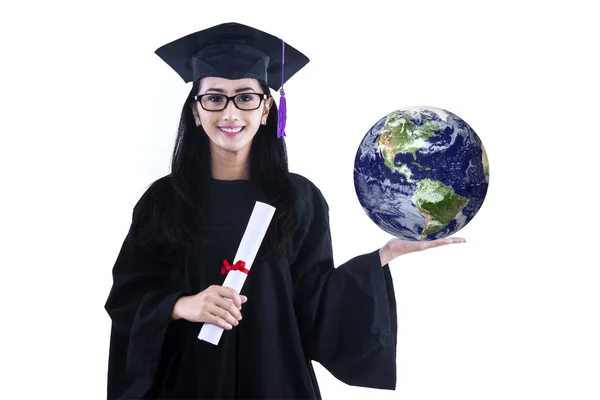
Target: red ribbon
[(238, 266)]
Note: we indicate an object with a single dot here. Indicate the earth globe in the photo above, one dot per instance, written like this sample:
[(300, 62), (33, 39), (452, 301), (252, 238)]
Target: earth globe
[(421, 173)]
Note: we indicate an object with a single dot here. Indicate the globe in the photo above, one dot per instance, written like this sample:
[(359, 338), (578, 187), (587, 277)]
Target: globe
[(421, 173)]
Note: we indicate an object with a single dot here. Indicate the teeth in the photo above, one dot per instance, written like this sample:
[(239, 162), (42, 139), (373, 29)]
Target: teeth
[(229, 130)]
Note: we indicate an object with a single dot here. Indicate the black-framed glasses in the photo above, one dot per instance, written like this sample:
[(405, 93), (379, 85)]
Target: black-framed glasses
[(218, 102)]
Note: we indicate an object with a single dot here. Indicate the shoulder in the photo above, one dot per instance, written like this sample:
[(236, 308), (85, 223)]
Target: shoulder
[(157, 192), (307, 190), (311, 204)]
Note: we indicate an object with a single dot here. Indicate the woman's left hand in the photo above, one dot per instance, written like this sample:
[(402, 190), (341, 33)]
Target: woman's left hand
[(397, 247)]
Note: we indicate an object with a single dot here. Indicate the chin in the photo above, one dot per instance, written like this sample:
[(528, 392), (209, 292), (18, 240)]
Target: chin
[(232, 144)]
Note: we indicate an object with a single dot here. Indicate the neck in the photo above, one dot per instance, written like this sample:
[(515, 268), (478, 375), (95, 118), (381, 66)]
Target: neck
[(228, 166)]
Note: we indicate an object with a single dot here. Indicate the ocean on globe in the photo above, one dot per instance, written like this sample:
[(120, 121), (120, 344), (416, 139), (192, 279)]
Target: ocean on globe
[(421, 173)]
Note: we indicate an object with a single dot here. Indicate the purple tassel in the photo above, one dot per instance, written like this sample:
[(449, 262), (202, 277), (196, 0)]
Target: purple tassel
[(282, 115), (281, 120)]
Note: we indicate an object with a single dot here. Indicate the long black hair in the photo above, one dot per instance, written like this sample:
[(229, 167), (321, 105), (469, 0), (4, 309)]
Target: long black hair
[(174, 217)]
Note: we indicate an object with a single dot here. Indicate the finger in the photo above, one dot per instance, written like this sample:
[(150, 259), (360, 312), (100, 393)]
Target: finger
[(229, 307), (224, 314), (219, 322), (231, 294), (452, 240), (445, 241), (244, 298)]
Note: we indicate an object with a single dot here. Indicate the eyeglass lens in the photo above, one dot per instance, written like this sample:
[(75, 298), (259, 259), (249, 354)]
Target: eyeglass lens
[(244, 101)]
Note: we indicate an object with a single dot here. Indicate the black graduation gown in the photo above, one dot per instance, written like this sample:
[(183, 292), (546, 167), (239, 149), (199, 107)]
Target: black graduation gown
[(300, 308)]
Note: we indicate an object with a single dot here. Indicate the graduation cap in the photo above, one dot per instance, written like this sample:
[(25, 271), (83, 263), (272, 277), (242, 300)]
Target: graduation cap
[(235, 51)]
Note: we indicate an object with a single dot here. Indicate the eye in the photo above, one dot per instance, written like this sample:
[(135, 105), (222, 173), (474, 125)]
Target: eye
[(244, 98), (214, 98)]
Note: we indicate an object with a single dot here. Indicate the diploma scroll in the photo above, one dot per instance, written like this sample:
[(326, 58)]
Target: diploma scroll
[(253, 236)]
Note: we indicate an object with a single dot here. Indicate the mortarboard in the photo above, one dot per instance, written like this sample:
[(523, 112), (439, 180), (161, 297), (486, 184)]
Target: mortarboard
[(235, 51)]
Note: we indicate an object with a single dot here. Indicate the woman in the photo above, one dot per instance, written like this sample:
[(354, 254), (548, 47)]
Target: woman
[(295, 307)]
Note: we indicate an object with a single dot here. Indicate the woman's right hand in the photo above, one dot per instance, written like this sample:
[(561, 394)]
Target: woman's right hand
[(210, 305)]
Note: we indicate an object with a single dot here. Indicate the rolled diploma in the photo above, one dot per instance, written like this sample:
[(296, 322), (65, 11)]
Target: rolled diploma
[(253, 236)]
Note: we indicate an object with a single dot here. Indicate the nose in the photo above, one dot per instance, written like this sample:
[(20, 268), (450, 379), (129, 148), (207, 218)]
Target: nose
[(230, 112)]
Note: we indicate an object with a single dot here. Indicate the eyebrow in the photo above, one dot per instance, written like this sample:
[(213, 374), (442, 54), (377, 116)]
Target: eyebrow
[(245, 89)]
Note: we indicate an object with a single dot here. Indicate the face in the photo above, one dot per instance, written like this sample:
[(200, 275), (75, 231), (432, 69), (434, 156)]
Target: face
[(231, 129)]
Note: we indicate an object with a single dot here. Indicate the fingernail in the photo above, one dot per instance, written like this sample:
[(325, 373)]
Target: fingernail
[(229, 326)]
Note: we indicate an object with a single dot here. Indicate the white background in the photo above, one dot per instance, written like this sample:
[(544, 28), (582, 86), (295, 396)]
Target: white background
[(88, 120)]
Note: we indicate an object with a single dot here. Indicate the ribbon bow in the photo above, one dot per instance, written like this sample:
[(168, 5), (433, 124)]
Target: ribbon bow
[(238, 266)]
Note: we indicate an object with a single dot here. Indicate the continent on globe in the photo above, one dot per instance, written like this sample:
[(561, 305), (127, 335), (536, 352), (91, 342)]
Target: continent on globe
[(421, 173), (401, 136), (438, 203)]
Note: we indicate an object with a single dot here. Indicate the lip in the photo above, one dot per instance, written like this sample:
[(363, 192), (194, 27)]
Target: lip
[(220, 128)]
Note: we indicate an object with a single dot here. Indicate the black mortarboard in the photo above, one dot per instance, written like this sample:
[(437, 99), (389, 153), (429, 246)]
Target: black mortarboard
[(235, 51)]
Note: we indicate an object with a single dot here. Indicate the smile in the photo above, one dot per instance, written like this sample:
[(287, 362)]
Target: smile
[(234, 130)]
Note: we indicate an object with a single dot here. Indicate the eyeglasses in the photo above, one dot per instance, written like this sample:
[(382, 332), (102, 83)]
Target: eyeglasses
[(218, 102)]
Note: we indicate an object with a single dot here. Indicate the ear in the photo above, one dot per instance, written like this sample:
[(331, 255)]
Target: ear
[(268, 104), (196, 116)]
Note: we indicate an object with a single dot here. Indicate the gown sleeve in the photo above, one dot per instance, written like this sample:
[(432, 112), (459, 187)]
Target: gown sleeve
[(347, 315), (139, 304)]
